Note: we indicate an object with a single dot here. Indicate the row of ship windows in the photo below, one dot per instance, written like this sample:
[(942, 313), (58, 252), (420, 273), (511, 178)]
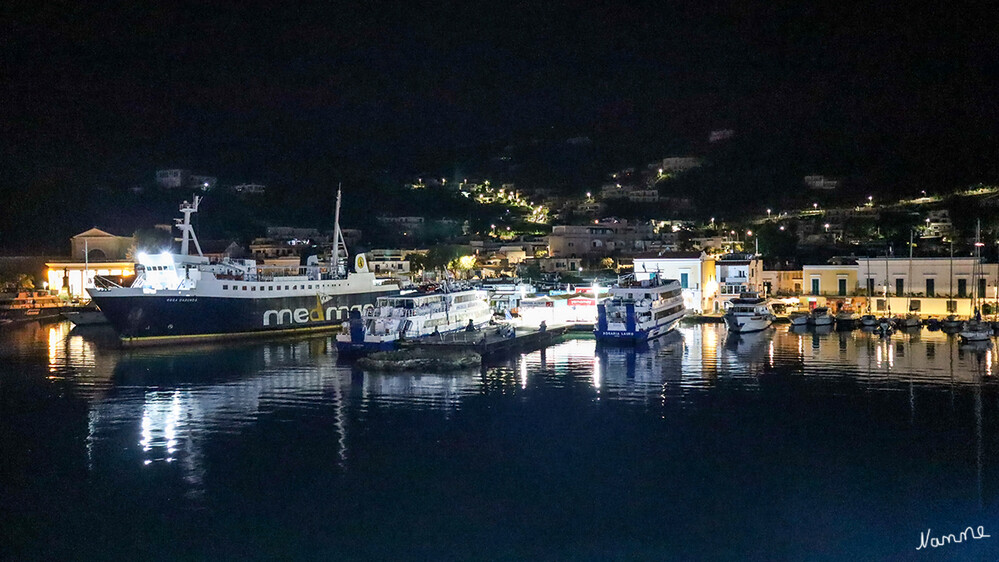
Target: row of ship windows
[(272, 287)]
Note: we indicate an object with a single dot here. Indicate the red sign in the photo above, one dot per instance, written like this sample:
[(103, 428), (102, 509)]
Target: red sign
[(579, 301)]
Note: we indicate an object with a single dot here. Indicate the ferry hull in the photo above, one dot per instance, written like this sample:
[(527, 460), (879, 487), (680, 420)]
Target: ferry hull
[(636, 336), (178, 318)]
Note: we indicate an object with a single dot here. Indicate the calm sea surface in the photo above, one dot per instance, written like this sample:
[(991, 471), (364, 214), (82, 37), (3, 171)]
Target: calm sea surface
[(705, 446)]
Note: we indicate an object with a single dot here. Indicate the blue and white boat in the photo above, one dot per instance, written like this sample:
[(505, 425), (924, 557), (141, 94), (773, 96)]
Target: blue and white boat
[(415, 315), (637, 311)]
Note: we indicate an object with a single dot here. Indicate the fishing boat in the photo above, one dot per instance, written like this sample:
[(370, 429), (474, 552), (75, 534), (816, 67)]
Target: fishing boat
[(820, 316), (638, 311), (868, 321), (430, 311), (185, 297), (749, 313)]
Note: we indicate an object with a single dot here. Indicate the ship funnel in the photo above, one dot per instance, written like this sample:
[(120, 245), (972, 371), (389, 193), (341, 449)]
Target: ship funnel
[(360, 263)]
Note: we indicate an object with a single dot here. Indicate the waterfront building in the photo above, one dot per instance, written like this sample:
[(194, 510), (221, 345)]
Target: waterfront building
[(694, 270), (737, 274), (71, 278), (782, 283), (98, 245)]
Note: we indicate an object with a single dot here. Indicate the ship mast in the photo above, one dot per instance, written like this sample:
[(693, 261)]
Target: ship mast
[(338, 240), (184, 225)]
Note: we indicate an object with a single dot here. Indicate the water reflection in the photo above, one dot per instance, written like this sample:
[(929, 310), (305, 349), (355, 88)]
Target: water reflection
[(190, 421)]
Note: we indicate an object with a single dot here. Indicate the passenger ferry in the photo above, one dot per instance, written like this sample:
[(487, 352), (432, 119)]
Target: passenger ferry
[(749, 313), (424, 313), (638, 311), (184, 297)]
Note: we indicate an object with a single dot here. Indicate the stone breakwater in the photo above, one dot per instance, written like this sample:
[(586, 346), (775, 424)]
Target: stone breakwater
[(420, 360)]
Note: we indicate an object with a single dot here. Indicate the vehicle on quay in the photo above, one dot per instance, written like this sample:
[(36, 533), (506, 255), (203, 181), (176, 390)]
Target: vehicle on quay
[(186, 297), (432, 310), (637, 311), (749, 313)]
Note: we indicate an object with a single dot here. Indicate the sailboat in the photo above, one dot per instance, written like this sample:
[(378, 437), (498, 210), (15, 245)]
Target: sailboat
[(952, 324), (910, 320), (976, 330), (868, 320)]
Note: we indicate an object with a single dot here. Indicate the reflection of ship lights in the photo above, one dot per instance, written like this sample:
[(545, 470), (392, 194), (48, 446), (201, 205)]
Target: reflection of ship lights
[(596, 372), (878, 355), (160, 419), (523, 371), (771, 353)]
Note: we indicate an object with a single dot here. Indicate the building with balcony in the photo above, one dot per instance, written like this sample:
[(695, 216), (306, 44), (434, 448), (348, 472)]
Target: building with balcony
[(694, 270), (600, 238), (737, 274)]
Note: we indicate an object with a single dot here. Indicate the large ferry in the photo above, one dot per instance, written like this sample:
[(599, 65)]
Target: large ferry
[(185, 297), (415, 315), (637, 311)]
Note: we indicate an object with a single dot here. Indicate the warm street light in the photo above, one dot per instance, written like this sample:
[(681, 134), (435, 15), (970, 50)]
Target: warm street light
[(815, 205), (827, 227), (749, 233), (768, 213)]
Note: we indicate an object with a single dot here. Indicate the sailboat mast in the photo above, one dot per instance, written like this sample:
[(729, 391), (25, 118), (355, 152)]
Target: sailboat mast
[(909, 291)]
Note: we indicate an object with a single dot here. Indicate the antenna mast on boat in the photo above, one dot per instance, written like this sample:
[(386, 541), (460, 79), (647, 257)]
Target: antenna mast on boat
[(338, 239), (184, 225)]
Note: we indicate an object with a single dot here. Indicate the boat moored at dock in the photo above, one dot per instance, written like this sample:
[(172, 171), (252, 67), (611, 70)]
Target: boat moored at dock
[(424, 313), (637, 311), (820, 316), (28, 306), (185, 297), (749, 313)]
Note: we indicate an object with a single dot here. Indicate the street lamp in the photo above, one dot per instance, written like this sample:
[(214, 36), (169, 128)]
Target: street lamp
[(768, 213), (815, 205)]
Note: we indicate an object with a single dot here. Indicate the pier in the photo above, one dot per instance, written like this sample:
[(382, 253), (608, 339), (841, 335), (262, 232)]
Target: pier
[(491, 341)]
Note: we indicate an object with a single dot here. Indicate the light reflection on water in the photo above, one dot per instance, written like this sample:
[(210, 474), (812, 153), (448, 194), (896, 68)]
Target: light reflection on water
[(167, 410)]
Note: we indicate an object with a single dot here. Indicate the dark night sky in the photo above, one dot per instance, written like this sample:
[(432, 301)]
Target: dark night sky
[(300, 93)]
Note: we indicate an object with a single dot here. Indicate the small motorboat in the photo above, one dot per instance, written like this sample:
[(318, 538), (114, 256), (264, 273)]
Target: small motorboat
[(868, 321), (820, 316), (799, 318), (908, 321), (952, 324), (847, 319)]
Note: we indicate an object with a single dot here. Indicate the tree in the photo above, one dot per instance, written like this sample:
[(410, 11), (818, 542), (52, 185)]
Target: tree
[(151, 241), (417, 262)]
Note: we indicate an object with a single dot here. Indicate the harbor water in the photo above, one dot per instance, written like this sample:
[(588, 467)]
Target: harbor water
[(780, 445)]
